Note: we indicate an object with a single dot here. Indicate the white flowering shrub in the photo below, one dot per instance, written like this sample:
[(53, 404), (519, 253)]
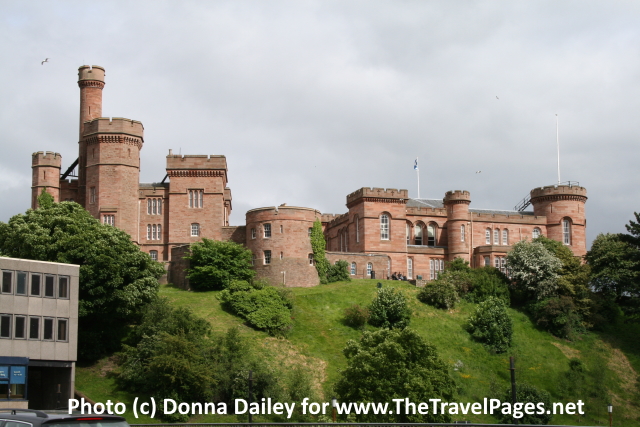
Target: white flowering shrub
[(534, 269)]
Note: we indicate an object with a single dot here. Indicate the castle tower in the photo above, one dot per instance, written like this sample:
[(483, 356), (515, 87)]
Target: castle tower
[(563, 206), (457, 206), (91, 83), (45, 166)]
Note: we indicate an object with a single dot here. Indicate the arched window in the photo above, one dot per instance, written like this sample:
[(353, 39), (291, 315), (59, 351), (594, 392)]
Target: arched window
[(505, 237), (154, 255), (384, 227), (353, 268), (566, 231), (496, 237), (369, 269), (418, 234), (536, 233), (487, 236), (462, 233), (431, 235)]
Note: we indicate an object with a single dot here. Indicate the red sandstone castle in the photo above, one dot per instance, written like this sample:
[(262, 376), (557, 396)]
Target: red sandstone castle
[(384, 230)]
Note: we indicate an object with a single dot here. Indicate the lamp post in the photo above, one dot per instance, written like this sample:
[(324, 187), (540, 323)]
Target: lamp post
[(334, 404), (610, 411)]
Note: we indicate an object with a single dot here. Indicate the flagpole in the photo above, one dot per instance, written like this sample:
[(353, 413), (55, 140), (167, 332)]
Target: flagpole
[(558, 145), (418, 172)]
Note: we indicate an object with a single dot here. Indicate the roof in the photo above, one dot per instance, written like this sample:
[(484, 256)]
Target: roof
[(153, 184), (439, 204)]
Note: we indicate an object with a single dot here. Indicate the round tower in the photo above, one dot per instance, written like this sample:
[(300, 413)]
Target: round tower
[(280, 241), (457, 206), (563, 206), (45, 171)]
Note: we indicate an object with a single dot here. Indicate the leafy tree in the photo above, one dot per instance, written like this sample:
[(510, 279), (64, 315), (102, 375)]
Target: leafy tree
[(215, 264), (116, 279), (559, 316), (526, 393), (534, 269), (491, 325), (394, 364), (318, 246), (338, 272), (389, 309), (615, 266), (488, 282)]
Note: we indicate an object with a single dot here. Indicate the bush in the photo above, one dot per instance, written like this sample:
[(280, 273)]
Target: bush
[(339, 272), (215, 264), (318, 245), (491, 325), (356, 316), (389, 309), (526, 393), (440, 293), (559, 316), (488, 282)]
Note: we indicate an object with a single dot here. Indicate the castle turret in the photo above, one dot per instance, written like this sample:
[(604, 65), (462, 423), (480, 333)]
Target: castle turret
[(45, 166), (563, 206), (457, 206)]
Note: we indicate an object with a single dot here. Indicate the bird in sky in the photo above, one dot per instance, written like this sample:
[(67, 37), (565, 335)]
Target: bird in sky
[(497, 97), (478, 171), (46, 60)]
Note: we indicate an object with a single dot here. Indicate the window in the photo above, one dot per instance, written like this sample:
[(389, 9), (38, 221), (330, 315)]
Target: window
[(149, 207), (310, 228), (369, 269), (154, 232), (7, 282), (196, 198), (267, 231), (92, 195), (310, 259), (358, 230), (253, 233), (153, 255), (154, 206), (21, 285), (487, 236), (195, 230), (267, 257), (496, 237), (148, 231), (566, 232), (34, 328), (462, 233), (62, 329), (281, 255), (353, 268), (253, 260), (281, 230), (431, 235), (505, 237), (5, 326), (20, 331), (63, 287), (435, 267), (536, 233), (487, 261), (35, 285), (418, 234), (409, 268), (49, 286), (109, 219), (384, 227), (47, 333), (408, 233)]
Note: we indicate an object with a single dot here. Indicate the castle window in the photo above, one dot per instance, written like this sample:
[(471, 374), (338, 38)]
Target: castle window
[(353, 269), (148, 206), (253, 259), (159, 232), (435, 267), (384, 227), (462, 233), (496, 237), (281, 255), (154, 255), (431, 235), (357, 229), (310, 231), (418, 234), (253, 233), (92, 195), (196, 198), (408, 232), (109, 219), (267, 257), (410, 268), (148, 231), (566, 232), (195, 229), (154, 207), (505, 237), (281, 230), (267, 231), (369, 269), (487, 236), (536, 233), (487, 261), (310, 259)]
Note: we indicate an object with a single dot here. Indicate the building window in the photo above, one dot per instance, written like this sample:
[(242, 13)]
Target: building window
[(154, 206), (408, 233), (369, 269), (154, 232), (148, 231), (267, 231), (62, 330), (253, 259), (92, 195), (20, 331), (417, 230), (462, 233), (34, 328), (63, 287), (21, 283), (267, 257), (7, 282), (253, 233), (566, 232), (196, 198), (195, 230), (358, 230), (35, 285), (496, 237), (536, 233), (384, 227), (47, 330), (310, 259), (281, 255), (410, 268), (505, 237), (153, 255), (431, 235), (50, 286), (487, 236), (435, 267), (281, 230), (353, 268), (5, 326), (310, 228), (487, 261), (109, 219)]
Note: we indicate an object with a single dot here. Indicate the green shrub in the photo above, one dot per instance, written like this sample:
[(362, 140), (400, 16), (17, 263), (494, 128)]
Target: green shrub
[(440, 293), (389, 309), (526, 393), (488, 282), (215, 264), (558, 315), (318, 245), (491, 325), (356, 316), (339, 272)]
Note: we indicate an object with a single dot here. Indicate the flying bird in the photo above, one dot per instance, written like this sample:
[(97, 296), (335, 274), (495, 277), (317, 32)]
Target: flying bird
[(46, 60), (478, 171), (497, 97)]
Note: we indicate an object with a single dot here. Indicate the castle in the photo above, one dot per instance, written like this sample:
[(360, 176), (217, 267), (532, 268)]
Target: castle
[(384, 230)]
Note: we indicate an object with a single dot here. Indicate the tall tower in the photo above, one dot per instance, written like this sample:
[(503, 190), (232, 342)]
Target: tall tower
[(563, 206), (457, 205), (45, 167)]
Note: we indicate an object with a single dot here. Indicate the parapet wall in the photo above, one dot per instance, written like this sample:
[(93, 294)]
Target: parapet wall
[(114, 125), (91, 72), (196, 161), (382, 193), (46, 158), (559, 191)]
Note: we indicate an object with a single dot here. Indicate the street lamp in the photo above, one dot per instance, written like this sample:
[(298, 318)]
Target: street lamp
[(334, 404), (610, 411)]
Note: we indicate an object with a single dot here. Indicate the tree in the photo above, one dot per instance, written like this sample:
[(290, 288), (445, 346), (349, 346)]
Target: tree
[(394, 364), (534, 269), (615, 266), (491, 325), (338, 272), (389, 309), (215, 264), (116, 279), (318, 246), (526, 393)]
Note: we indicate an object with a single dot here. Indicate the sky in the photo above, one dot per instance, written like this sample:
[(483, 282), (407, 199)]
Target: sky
[(312, 100)]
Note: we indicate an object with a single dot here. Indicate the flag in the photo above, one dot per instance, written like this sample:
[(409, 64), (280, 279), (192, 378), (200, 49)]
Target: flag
[(415, 166)]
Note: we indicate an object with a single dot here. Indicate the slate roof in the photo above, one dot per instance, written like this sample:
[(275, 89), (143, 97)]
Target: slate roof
[(438, 204)]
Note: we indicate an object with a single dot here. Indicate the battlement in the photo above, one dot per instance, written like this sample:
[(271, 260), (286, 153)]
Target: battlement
[(91, 72), (559, 192), (196, 161), (327, 218), (113, 125), (381, 193), (457, 196), (515, 218), (427, 211), (339, 219), (46, 158)]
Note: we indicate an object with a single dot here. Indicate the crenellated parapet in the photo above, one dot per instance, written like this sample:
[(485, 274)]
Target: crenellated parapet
[(46, 158), (380, 195), (559, 192), (420, 210), (186, 162), (457, 196), (113, 125), (339, 219), (91, 76)]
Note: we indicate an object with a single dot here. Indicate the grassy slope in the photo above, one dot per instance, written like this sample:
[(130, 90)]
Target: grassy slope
[(319, 336)]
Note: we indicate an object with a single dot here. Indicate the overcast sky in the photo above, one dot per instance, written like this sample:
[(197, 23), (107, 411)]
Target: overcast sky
[(311, 100)]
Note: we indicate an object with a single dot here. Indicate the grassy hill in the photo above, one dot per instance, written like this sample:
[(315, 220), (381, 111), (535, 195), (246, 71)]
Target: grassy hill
[(611, 358)]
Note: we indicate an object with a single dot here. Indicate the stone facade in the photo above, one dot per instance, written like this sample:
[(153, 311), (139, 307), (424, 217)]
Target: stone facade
[(384, 230)]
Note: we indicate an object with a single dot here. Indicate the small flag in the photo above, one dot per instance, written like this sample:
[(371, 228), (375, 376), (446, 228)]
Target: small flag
[(415, 166)]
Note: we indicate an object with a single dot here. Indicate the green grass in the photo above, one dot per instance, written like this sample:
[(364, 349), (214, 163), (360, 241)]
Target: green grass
[(319, 335)]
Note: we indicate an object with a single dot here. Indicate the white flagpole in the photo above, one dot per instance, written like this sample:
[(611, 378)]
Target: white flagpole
[(558, 145)]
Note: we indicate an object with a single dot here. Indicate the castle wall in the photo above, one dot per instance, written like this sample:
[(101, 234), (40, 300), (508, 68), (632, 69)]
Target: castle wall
[(45, 173), (379, 263)]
